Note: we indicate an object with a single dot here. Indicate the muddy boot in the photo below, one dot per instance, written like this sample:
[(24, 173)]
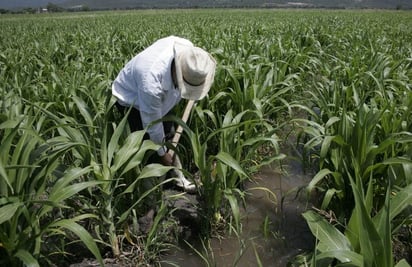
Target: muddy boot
[(181, 180), (185, 184)]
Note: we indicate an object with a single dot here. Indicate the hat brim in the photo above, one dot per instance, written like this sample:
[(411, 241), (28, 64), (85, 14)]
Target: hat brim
[(187, 90)]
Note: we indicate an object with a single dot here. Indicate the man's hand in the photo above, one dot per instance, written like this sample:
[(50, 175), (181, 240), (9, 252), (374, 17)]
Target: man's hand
[(167, 159)]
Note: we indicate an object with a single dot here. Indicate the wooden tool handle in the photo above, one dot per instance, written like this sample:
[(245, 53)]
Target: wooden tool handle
[(179, 129)]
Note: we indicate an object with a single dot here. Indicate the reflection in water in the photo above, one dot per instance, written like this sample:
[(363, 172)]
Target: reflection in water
[(284, 235)]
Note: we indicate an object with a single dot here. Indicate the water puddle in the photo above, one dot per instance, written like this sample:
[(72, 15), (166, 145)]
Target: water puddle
[(272, 234)]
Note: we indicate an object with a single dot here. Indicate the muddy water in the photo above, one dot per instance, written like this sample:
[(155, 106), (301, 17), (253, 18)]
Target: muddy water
[(286, 233)]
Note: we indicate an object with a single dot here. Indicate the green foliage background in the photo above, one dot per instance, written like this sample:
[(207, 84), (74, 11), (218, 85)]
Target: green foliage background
[(70, 170)]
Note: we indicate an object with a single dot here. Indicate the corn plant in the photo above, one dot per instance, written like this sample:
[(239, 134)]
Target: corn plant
[(117, 164), (359, 132), (352, 110), (34, 188), (366, 241), (219, 160)]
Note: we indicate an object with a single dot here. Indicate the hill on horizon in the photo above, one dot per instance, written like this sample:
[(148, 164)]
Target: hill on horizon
[(125, 4)]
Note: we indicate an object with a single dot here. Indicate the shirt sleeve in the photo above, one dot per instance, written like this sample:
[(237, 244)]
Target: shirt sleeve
[(151, 113)]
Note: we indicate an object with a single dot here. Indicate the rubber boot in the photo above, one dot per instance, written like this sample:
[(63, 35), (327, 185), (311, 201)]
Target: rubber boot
[(181, 180)]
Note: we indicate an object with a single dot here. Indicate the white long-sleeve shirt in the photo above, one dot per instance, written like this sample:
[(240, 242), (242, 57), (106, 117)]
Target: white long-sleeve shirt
[(146, 83)]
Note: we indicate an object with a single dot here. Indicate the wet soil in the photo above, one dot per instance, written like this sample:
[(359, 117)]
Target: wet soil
[(273, 230)]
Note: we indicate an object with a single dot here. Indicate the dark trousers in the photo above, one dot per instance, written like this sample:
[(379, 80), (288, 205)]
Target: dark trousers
[(135, 122), (134, 119)]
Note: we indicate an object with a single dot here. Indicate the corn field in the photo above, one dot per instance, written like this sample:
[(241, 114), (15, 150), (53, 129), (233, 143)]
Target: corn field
[(72, 175)]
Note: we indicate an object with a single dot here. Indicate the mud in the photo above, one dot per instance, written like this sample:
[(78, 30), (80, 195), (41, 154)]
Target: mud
[(274, 243)]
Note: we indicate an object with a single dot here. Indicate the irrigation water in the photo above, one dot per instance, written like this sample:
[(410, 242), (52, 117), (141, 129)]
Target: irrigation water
[(272, 233)]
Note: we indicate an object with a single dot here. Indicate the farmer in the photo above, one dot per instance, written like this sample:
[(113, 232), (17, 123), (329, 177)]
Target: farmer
[(155, 80)]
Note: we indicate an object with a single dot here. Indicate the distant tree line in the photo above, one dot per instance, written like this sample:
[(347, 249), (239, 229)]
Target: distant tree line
[(105, 5), (53, 8)]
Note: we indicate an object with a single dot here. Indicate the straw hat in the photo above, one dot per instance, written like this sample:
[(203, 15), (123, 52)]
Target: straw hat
[(195, 71)]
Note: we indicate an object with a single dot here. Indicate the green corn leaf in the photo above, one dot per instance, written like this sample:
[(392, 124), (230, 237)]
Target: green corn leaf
[(8, 211), (128, 149), (151, 170), (260, 139), (385, 231), (9, 124), (161, 213), (227, 121), (71, 190), (21, 156), (56, 199), (258, 260), (322, 174), (353, 232), (347, 257), (390, 161), (6, 145), (399, 203), (137, 158), (272, 197), (238, 118), (125, 214), (228, 193), (227, 159), (5, 178), (70, 176), (81, 105), (107, 154), (370, 242), (331, 121), (330, 238), (402, 263), (70, 130), (26, 258), (407, 168), (154, 170), (82, 233), (326, 146), (328, 197)]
